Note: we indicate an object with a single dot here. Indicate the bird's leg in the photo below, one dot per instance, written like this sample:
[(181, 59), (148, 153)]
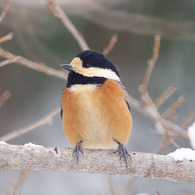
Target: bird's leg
[(76, 150), (123, 152)]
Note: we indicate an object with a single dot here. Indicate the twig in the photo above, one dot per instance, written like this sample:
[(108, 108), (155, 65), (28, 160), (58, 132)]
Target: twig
[(162, 145), (171, 139), (190, 118), (151, 64), (147, 107), (57, 11), (174, 107), (165, 95), (111, 185), (24, 175), (4, 12), (9, 61), (33, 65), (110, 45), (127, 185), (47, 119), (153, 115), (165, 142), (158, 193), (7, 37), (95, 161), (3, 97), (143, 87)]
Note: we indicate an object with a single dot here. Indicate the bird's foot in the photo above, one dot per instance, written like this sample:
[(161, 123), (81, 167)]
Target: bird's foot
[(78, 148), (123, 152)]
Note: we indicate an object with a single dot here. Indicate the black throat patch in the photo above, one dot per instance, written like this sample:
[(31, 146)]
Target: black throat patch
[(75, 78)]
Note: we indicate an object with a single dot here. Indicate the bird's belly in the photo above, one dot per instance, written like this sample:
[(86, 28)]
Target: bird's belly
[(97, 117), (97, 131)]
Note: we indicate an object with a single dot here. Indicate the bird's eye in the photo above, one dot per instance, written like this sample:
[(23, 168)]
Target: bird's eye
[(87, 65)]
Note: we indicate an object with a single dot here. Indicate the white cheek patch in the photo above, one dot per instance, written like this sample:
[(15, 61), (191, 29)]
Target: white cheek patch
[(99, 72)]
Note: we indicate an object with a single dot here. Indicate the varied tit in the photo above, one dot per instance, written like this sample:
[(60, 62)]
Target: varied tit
[(94, 108)]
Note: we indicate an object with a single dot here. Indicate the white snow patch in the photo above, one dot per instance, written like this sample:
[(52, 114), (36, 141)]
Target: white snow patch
[(31, 144), (183, 153), (191, 135), (3, 142)]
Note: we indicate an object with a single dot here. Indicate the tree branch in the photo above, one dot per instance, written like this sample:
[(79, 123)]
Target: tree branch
[(165, 96), (4, 12), (153, 115), (34, 157), (3, 97), (151, 63), (58, 12), (110, 45), (9, 61), (33, 65), (7, 37), (47, 119)]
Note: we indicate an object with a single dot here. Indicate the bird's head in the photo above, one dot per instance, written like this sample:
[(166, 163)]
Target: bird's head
[(90, 64)]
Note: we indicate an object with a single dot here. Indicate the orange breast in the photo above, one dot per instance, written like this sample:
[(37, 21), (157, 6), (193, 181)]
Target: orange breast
[(97, 116)]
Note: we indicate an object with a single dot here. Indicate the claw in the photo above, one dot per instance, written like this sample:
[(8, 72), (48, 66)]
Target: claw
[(123, 152), (76, 150)]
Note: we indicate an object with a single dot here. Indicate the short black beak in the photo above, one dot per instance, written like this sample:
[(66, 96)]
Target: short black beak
[(67, 67)]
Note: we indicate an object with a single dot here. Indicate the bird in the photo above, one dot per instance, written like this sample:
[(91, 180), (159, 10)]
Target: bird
[(95, 111)]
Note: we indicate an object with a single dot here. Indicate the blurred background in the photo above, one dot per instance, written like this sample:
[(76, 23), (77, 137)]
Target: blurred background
[(40, 37)]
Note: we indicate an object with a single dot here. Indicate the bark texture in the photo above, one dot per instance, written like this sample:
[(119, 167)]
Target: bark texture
[(36, 158)]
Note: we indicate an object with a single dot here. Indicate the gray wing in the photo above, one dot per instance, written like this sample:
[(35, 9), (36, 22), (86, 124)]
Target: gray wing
[(61, 112), (127, 102), (126, 94)]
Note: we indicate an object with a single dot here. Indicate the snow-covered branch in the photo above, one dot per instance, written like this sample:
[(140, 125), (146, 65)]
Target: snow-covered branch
[(34, 157)]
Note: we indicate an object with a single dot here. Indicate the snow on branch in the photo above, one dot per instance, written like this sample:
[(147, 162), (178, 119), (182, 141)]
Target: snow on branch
[(35, 157)]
